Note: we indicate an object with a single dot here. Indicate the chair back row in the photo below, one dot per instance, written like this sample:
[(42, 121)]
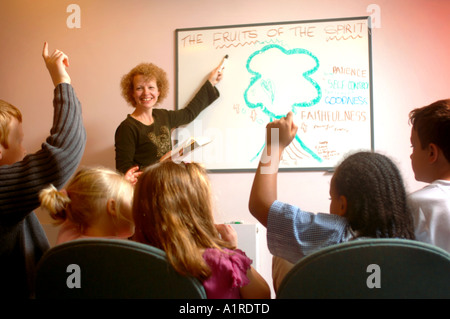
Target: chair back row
[(375, 268), (110, 269)]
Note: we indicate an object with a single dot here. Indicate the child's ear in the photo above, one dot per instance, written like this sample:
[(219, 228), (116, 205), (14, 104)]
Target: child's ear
[(111, 207), (342, 205), (433, 151)]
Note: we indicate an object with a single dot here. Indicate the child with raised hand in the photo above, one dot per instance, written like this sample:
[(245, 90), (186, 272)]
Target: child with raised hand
[(95, 203), (173, 211), (22, 176), (368, 200), (430, 159)]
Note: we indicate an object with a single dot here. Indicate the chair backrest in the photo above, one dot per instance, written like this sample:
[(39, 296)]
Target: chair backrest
[(109, 268), (378, 268)]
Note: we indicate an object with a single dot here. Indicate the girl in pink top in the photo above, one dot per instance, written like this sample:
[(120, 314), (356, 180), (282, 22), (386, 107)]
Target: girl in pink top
[(95, 203), (229, 273), (173, 211)]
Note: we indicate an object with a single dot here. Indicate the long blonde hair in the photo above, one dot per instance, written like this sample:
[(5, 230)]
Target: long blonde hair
[(173, 211), (85, 194)]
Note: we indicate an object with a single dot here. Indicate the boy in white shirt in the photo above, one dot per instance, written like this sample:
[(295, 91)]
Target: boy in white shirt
[(430, 159)]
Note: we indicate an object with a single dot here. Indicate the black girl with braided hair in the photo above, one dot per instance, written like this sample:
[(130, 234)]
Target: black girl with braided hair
[(375, 196), (368, 200)]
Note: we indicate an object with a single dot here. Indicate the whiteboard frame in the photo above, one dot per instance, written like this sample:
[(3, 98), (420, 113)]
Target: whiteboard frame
[(370, 79)]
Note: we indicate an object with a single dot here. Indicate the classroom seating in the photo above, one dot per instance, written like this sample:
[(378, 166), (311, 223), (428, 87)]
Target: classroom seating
[(111, 269), (366, 269)]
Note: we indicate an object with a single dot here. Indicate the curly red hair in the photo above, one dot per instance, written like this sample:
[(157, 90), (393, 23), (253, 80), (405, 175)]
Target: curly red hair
[(149, 71)]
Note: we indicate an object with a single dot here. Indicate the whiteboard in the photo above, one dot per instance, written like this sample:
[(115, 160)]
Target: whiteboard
[(320, 70)]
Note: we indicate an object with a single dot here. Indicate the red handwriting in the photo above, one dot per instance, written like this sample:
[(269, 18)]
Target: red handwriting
[(302, 31), (220, 38), (325, 152), (333, 116), (347, 28), (253, 115), (192, 39), (349, 71)]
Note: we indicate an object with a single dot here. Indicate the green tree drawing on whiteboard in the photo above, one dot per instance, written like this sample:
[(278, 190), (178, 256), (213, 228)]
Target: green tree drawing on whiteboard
[(281, 82)]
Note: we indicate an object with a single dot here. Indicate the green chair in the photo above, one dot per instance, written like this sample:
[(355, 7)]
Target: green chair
[(377, 268), (111, 269)]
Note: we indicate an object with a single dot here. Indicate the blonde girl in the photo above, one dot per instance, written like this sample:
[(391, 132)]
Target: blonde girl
[(95, 203), (173, 210)]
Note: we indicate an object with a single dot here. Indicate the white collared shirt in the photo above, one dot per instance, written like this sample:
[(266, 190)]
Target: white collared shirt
[(431, 211)]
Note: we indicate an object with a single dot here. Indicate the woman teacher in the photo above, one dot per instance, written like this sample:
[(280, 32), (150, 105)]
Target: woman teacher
[(145, 135)]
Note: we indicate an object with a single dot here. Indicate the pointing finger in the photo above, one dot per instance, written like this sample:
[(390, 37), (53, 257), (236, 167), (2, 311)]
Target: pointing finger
[(45, 50), (290, 119)]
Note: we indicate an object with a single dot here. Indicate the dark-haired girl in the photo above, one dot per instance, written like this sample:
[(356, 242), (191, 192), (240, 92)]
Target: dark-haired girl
[(368, 200)]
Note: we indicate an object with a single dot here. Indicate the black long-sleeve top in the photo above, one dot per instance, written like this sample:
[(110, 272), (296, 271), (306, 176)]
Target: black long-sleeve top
[(137, 144)]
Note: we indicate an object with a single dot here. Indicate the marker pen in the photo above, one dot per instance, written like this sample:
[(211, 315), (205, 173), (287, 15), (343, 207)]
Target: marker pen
[(224, 63)]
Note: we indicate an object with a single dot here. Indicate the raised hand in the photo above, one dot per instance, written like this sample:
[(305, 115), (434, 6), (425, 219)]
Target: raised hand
[(133, 174), (56, 64), (216, 75), (287, 130)]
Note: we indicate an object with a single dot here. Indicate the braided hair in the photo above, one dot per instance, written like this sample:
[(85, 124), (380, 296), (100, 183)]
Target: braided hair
[(376, 196)]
